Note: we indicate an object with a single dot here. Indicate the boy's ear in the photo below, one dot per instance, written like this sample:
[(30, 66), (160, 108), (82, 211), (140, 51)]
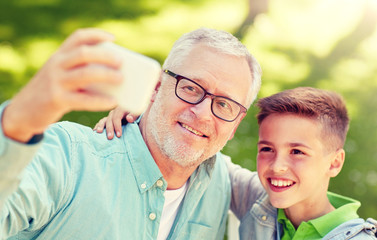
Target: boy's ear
[(337, 163)]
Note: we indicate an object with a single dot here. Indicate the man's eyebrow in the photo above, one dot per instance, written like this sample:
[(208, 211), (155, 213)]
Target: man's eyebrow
[(202, 82)]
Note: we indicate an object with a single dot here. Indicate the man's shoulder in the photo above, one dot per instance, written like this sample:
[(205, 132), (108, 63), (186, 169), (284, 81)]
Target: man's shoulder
[(220, 163), (216, 167), (70, 128), (75, 132), (67, 134)]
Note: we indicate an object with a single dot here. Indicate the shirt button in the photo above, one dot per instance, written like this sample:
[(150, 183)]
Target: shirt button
[(160, 183), (143, 185), (264, 218), (152, 216)]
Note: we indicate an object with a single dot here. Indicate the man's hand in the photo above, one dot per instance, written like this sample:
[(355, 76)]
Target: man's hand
[(113, 122), (60, 85)]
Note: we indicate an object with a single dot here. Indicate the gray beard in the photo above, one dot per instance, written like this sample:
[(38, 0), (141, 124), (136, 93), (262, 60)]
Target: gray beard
[(176, 151)]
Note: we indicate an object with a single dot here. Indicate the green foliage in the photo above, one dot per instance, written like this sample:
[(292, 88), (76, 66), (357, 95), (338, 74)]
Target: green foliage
[(324, 44)]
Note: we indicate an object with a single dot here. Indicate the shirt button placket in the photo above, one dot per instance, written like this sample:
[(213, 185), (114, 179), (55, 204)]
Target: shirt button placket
[(159, 183), (152, 216)]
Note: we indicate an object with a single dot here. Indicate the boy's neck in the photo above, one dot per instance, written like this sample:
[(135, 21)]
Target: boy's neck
[(303, 213)]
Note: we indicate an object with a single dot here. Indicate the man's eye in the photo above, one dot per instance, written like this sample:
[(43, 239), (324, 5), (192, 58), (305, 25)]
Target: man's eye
[(296, 151), (189, 89), (223, 104)]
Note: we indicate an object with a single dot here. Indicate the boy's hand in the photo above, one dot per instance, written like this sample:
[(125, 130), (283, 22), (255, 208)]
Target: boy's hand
[(113, 122)]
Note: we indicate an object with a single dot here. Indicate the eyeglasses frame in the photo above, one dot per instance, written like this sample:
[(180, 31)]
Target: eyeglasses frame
[(180, 77)]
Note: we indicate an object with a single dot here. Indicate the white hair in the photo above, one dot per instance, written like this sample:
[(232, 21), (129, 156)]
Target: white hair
[(223, 42)]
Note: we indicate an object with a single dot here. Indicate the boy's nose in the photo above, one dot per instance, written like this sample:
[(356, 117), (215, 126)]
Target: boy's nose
[(279, 164)]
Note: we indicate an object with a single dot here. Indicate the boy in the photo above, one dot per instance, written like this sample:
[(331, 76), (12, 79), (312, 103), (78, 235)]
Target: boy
[(301, 137)]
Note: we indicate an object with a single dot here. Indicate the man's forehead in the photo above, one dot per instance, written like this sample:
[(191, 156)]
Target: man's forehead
[(218, 72)]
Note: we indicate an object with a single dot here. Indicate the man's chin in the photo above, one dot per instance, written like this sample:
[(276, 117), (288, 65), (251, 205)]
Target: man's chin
[(188, 163)]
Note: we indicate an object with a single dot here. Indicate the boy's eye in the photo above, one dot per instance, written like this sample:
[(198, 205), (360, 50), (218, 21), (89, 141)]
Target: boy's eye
[(265, 149), (296, 151)]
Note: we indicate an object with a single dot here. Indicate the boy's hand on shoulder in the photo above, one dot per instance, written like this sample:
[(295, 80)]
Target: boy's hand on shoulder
[(114, 121)]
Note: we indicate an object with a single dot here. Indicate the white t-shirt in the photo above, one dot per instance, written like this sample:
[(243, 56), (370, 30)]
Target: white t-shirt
[(173, 198)]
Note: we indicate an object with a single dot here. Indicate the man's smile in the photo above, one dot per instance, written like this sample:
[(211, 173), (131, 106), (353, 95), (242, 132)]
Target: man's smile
[(190, 129)]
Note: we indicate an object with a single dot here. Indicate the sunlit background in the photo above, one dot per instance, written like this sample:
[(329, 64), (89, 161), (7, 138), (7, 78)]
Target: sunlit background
[(320, 43)]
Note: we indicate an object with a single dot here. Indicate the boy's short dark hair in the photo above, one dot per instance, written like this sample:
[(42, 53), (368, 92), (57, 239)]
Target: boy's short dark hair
[(325, 106)]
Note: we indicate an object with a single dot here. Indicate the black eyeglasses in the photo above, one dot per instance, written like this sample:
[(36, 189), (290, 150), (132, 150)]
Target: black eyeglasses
[(191, 92)]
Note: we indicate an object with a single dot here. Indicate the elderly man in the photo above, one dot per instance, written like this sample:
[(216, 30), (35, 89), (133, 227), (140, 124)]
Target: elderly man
[(166, 180)]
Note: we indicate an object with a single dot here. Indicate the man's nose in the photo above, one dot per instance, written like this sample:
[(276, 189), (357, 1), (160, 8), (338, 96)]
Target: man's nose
[(203, 109)]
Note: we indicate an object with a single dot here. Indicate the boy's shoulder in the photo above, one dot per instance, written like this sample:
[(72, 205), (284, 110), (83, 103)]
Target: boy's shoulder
[(340, 224), (354, 229)]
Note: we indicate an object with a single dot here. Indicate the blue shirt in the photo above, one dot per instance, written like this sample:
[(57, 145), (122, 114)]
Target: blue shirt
[(79, 185)]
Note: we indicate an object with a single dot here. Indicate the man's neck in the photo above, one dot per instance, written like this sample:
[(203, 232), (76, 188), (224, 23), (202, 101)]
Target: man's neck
[(174, 174)]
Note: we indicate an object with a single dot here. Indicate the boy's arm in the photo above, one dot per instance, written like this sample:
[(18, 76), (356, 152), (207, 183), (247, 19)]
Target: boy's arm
[(246, 188)]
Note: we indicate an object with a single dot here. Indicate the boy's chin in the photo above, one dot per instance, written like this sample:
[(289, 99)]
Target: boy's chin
[(279, 203)]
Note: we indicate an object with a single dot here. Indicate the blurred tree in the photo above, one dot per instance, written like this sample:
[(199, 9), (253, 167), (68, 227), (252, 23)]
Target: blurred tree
[(255, 7)]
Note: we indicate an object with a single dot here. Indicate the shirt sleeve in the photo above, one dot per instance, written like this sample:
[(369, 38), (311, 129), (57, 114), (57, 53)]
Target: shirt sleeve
[(32, 182), (14, 157), (246, 188)]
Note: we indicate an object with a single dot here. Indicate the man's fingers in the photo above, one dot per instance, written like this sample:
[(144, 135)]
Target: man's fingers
[(90, 54), (85, 76), (88, 36), (84, 101)]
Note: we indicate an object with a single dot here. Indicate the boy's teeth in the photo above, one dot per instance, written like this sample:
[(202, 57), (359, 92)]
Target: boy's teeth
[(281, 183), (192, 130)]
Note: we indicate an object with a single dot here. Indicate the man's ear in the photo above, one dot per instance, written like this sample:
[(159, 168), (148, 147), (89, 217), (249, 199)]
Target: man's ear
[(337, 163), (156, 88), (239, 119)]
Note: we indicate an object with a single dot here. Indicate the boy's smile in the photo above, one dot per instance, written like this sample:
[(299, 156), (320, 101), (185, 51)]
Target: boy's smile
[(278, 184), (294, 163)]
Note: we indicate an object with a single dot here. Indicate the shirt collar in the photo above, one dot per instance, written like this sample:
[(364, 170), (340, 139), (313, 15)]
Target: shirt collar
[(345, 210), (145, 169)]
